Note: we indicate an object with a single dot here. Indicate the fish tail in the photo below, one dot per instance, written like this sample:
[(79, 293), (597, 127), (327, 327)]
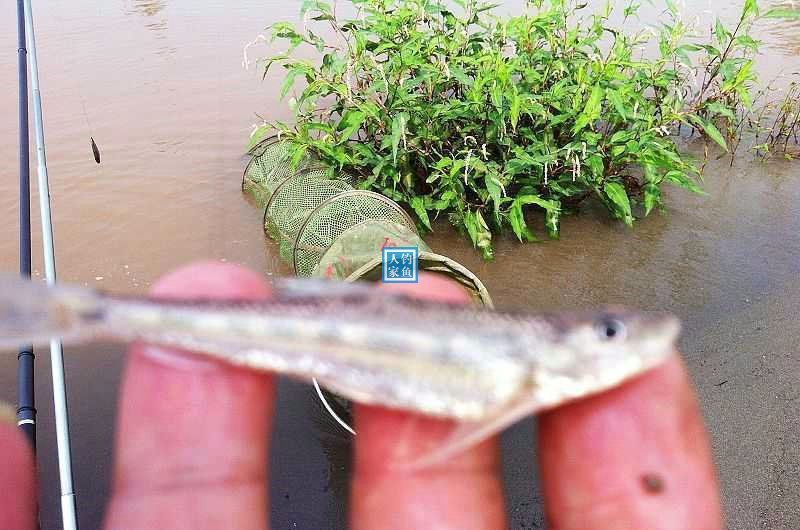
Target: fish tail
[(32, 313)]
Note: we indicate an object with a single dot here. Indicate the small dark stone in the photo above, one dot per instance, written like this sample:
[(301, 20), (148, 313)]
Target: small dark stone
[(653, 483)]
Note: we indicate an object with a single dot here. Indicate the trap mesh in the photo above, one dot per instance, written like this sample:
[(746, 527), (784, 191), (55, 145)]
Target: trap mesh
[(293, 202), (269, 167), (324, 227), (361, 244), (259, 148), (335, 216)]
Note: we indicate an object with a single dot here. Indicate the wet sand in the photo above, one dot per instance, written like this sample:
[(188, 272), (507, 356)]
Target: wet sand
[(170, 106)]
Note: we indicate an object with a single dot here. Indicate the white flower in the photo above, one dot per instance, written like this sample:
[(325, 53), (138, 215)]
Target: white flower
[(254, 42)]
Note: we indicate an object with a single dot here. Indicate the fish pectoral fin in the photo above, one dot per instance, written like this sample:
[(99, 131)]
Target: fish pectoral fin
[(469, 434)]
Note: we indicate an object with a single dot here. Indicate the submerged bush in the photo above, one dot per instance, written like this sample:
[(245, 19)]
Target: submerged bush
[(449, 109)]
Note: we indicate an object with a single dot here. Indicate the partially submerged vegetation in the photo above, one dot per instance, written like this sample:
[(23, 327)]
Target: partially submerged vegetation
[(452, 110)]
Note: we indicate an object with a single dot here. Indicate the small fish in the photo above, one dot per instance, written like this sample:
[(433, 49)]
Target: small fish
[(95, 150), (483, 368)]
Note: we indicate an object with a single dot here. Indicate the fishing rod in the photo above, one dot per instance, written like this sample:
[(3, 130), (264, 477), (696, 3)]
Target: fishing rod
[(26, 402), (68, 513)]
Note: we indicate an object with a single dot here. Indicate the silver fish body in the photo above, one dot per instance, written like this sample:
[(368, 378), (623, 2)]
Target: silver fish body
[(444, 360)]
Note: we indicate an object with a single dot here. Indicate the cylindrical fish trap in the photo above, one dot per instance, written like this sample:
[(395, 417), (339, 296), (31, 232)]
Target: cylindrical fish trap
[(326, 228), (356, 254), (291, 204), (269, 166), (337, 215)]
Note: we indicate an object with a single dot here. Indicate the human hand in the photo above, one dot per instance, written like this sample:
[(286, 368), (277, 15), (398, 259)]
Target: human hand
[(193, 439)]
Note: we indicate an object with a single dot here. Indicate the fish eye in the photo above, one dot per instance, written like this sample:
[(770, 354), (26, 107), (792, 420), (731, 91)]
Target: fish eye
[(610, 329)]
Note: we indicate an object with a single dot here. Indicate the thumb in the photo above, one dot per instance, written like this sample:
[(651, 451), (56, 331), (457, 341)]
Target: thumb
[(17, 475)]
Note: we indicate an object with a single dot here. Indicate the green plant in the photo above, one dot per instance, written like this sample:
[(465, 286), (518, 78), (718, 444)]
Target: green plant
[(449, 109), (776, 124)]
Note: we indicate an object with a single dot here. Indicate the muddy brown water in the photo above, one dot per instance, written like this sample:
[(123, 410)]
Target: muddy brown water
[(170, 107)]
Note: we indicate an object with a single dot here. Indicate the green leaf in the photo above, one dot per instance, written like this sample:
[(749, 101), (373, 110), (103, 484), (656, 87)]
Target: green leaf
[(294, 70), (679, 178), (744, 95), (517, 220), (259, 134), (721, 110), (418, 204), (350, 123), (398, 131), (616, 100), (479, 233), (748, 42), (551, 220), (494, 187), (552, 211), (743, 75), (288, 83), (710, 129), (595, 164), (787, 13), (591, 112), (621, 137), (297, 156), (537, 200), (619, 198), (652, 197), (750, 9), (516, 105), (317, 5), (484, 237), (722, 35)]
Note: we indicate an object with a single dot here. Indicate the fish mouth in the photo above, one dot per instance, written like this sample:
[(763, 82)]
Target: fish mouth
[(667, 325), (660, 339)]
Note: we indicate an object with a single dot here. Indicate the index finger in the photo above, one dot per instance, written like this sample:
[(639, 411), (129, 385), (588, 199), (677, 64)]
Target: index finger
[(634, 457), (192, 434), (463, 493)]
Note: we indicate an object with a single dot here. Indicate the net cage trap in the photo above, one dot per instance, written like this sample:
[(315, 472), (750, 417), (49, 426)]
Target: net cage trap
[(326, 228)]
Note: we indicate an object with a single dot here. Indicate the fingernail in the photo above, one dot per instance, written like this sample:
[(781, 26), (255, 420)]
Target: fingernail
[(8, 413)]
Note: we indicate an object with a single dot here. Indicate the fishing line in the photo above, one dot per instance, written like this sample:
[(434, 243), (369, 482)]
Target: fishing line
[(95, 149), (330, 410)]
